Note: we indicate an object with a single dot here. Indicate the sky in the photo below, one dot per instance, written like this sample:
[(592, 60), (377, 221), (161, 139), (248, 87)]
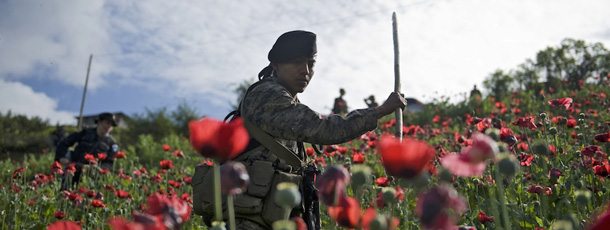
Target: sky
[(157, 54)]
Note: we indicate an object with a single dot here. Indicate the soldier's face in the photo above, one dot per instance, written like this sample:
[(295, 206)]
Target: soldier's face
[(295, 74), (104, 127)]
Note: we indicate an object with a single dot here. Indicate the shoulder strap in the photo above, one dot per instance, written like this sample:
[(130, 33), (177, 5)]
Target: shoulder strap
[(275, 147)]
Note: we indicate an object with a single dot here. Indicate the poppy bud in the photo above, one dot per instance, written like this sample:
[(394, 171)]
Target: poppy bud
[(284, 225), (542, 116), (445, 175), (508, 165), (378, 223), (563, 121), (540, 148), (361, 175), (582, 197), (216, 225), (388, 195), (582, 115), (562, 225), (234, 178), (580, 136), (553, 130), (287, 195), (493, 133)]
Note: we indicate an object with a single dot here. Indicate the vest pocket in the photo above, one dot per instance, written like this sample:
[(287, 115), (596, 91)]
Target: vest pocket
[(261, 175)]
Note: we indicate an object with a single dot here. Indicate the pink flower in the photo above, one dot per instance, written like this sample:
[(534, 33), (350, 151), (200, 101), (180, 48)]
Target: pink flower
[(332, 182), (440, 207), (471, 162)]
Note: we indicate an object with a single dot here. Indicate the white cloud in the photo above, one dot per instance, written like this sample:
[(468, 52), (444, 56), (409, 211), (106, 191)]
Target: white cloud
[(21, 99), (201, 49)]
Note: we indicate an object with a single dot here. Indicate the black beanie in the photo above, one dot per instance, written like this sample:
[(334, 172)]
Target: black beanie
[(290, 45)]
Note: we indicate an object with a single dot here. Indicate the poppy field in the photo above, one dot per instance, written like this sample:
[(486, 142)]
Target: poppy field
[(530, 160)]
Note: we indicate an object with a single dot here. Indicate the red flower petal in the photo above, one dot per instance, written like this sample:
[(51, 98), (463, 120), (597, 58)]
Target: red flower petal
[(406, 159)]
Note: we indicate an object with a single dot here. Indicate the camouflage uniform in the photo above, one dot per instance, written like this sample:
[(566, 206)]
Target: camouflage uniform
[(273, 109), (270, 106)]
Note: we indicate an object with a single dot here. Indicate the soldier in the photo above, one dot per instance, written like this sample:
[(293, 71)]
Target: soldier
[(271, 104), (94, 141), (370, 102), (340, 106)]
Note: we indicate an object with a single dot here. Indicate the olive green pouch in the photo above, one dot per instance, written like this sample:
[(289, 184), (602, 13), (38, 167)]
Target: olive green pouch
[(271, 211)]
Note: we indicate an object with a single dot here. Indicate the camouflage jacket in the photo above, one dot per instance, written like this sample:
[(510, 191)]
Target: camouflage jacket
[(273, 109)]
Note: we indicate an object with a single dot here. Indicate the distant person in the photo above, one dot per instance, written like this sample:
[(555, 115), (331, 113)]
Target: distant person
[(475, 92), (340, 106), (370, 102), (94, 141), (58, 134)]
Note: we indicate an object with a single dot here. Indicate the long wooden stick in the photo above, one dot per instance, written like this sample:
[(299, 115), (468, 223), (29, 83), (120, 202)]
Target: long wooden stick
[(398, 111)]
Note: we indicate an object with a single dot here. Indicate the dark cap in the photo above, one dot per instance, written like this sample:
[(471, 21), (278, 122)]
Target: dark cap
[(293, 44), (106, 116)]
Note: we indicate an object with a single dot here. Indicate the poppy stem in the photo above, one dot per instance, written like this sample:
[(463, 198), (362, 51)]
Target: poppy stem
[(231, 211), (502, 197), (217, 198)]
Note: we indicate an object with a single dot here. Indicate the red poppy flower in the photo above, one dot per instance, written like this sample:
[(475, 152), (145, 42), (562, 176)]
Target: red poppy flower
[(156, 178), (179, 153), (440, 207), (590, 150), (166, 164), (119, 155), (382, 182), (540, 190), (59, 215), (471, 162), (525, 122), (216, 139), (118, 223), (602, 170), (17, 172), (571, 123), (484, 218), (554, 173), (104, 170), (64, 225), (158, 205), (90, 158), (102, 156), (56, 168), (525, 159), (404, 159), (310, 151), (604, 137), (358, 158), (76, 198), (346, 213), (122, 194), (299, 222), (30, 202), (561, 102), (97, 204), (167, 148)]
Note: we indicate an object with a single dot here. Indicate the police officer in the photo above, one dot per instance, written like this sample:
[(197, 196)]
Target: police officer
[(272, 105), (92, 141)]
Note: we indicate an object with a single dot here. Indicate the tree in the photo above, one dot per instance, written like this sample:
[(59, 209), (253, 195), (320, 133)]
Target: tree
[(181, 117), (498, 84), (240, 90)]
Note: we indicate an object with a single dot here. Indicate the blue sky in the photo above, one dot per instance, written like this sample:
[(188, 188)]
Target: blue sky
[(154, 54)]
